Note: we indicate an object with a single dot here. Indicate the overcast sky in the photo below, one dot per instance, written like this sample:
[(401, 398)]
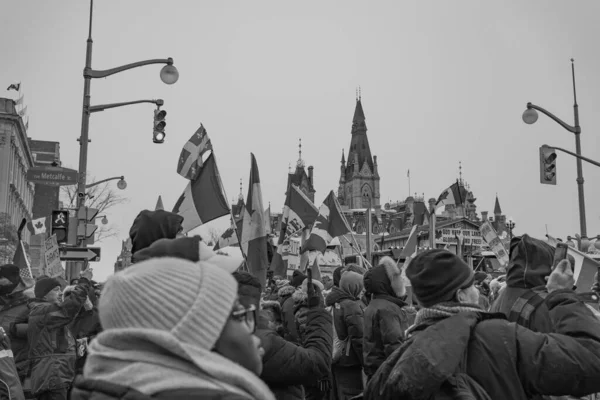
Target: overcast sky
[(442, 82)]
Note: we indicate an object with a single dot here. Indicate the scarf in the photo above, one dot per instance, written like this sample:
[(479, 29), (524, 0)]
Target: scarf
[(153, 361), (431, 315)]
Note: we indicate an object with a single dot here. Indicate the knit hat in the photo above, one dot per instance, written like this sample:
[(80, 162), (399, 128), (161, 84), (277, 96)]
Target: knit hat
[(149, 226), (480, 276), (190, 301), (436, 275), (45, 286), (191, 249)]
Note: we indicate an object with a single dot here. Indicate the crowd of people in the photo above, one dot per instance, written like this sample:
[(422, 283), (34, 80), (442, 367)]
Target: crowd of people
[(183, 322)]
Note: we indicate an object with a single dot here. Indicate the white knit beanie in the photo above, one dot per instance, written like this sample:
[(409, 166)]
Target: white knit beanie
[(192, 301)]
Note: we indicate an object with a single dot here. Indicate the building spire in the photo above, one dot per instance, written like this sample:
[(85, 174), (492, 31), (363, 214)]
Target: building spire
[(300, 163), (343, 157), (497, 209), (241, 195), (460, 172)]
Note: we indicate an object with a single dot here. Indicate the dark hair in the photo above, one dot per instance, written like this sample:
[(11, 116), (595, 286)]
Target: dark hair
[(247, 279)]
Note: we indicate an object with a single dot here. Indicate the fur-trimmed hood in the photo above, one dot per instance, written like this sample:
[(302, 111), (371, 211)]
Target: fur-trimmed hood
[(385, 278), (286, 291)]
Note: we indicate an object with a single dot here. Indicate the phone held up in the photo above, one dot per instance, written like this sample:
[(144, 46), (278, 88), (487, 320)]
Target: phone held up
[(560, 253)]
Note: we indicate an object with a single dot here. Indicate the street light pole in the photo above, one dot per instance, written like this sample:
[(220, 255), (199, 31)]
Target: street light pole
[(530, 117)]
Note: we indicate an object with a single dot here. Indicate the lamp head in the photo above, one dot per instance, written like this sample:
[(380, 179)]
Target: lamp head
[(104, 220), (122, 184), (530, 116), (169, 74)]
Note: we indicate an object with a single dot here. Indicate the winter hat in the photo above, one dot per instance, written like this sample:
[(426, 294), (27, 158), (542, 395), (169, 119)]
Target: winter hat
[(149, 226), (352, 283), (191, 249), (480, 276), (9, 278), (44, 286), (249, 288), (297, 278), (192, 302), (436, 275)]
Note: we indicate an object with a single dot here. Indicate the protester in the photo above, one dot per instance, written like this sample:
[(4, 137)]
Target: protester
[(51, 345), (150, 226), (523, 299), (387, 316), (348, 314), (454, 345), (173, 329), (286, 365), (287, 308)]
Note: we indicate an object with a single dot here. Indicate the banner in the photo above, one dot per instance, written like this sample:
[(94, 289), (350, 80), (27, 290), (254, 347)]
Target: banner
[(54, 267), (491, 237), (470, 237)]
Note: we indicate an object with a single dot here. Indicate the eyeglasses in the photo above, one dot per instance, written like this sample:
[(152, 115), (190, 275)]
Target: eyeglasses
[(247, 315)]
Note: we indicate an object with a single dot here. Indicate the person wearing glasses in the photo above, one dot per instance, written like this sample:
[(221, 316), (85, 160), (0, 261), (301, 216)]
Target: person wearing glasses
[(173, 329)]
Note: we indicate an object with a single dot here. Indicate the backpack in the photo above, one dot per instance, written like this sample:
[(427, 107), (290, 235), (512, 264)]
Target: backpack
[(525, 305)]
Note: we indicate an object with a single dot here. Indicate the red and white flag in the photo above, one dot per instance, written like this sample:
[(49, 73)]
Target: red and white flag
[(330, 223), (190, 160), (254, 234)]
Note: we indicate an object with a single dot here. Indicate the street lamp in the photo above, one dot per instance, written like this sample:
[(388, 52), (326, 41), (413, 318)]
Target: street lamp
[(104, 220), (530, 116), (169, 74), (121, 184), (510, 225)]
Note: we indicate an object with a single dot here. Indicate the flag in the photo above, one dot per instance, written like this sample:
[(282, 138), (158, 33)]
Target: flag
[(19, 101), (254, 235), (454, 195), (410, 248), (584, 268), (21, 261), (159, 204), (190, 160), (14, 86), (330, 223), (298, 213), (39, 225), (202, 200), (228, 238)]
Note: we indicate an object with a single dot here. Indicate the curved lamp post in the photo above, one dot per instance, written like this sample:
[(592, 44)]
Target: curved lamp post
[(530, 116), (121, 184)]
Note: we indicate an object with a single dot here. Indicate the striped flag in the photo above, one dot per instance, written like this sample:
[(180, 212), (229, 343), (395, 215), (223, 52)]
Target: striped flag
[(330, 223), (454, 195), (190, 160), (298, 213), (254, 235), (203, 199), (584, 269)]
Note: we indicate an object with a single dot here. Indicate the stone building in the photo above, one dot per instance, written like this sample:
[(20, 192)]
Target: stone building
[(124, 258), (16, 194), (301, 178)]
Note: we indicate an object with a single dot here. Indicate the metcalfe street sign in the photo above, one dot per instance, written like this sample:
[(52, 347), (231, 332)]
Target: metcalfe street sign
[(91, 254), (52, 176)]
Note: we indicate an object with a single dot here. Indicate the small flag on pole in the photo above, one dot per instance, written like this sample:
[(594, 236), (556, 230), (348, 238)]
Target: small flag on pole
[(330, 223), (190, 160), (39, 225), (14, 86)]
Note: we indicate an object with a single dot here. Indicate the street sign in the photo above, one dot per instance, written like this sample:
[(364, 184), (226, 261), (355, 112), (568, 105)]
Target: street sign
[(54, 267), (87, 213), (91, 254), (86, 230), (52, 176)]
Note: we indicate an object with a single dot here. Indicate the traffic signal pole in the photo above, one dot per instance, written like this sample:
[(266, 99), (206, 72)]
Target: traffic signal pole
[(579, 157)]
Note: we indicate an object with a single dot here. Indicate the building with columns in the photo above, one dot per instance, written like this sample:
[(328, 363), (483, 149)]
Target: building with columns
[(16, 193)]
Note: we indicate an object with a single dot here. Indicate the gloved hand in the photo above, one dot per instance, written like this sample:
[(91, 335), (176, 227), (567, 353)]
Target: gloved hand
[(561, 277)]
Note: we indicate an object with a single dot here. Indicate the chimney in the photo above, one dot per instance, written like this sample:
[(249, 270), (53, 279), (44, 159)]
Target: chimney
[(484, 216), (310, 174)]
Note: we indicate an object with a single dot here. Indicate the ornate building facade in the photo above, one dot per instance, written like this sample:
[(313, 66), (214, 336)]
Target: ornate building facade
[(16, 193)]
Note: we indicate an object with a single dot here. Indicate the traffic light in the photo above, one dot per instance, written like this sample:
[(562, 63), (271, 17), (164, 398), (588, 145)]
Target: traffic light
[(60, 225), (158, 135), (547, 165)]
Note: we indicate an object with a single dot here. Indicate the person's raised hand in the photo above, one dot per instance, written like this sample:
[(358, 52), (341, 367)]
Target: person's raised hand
[(561, 277)]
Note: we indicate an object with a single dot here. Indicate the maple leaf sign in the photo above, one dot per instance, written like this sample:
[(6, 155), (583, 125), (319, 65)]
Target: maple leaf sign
[(39, 225)]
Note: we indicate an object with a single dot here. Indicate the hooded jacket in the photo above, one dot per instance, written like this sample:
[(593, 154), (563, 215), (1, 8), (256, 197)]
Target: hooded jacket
[(530, 263), (387, 316), (149, 226)]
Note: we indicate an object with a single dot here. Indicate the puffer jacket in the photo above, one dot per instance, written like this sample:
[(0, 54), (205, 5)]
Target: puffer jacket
[(385, 319), (530, 263), (348, 314), (507, 360), (13, 316), (51, 345), (286, 365)]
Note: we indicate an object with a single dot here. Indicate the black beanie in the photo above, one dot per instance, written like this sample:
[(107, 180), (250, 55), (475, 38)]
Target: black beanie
[(44, 286), (436, 275)]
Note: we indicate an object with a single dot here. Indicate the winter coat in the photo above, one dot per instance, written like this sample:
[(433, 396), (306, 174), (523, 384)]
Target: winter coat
[(530, 262), (287, 366), (348, 314), (507, 360), (385, 319), (51, 344), (15, 312), (289, 321), (139, 364)]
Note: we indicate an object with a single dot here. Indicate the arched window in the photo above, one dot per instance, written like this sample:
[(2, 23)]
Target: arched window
[(366, 194)]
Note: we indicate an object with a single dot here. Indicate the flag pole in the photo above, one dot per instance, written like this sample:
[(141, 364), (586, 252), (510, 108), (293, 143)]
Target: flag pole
[(358, 249), (230, 211)]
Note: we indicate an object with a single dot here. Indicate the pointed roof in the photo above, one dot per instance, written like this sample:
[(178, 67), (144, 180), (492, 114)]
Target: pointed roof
[(497, 209), (359, 144), (343, 157), (159, 204)]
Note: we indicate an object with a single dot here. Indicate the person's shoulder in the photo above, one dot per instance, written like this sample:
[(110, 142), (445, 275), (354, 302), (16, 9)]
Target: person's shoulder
[(193, 394)]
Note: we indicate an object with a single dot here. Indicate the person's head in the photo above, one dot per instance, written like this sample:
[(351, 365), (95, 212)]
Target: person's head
[(354, 268), (530, 262), (249, 289), (439, 276), (11, 280), (385, 278), (327, 281), (271, 315), (352, 283), (193, 304), (297, 278), (337, 275), (48, 289), (149, 226)]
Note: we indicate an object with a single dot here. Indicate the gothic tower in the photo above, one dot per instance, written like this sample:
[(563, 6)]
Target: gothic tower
[(300, 178), (359, 178)]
